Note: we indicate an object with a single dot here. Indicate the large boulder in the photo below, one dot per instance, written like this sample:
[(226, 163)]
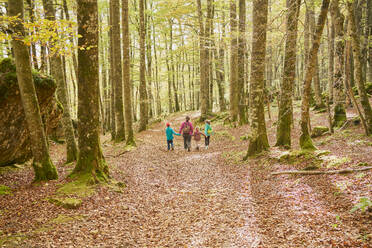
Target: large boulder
[(14, 136)]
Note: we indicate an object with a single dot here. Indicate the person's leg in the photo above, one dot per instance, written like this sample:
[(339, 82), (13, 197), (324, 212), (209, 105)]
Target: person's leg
[(185, 142), (171, 142), (168, 144), (189, 142)]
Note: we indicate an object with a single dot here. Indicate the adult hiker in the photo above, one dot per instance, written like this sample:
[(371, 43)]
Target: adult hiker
[(186, 130)]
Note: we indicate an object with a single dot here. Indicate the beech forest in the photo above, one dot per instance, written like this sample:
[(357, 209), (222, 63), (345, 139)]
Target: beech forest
[(186, 123)]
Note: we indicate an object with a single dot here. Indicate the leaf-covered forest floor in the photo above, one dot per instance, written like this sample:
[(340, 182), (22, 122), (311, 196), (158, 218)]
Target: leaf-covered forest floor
[(206, 198)]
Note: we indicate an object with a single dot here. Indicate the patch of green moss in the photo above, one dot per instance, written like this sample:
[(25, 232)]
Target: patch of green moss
[(308, 158), (319, 131), (225, 134), (81, 186), (335, 163), (5, 190), (61, 218), (235, 157), (14, 240), (68, 203)]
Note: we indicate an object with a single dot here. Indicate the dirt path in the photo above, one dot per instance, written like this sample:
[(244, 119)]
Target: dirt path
[(206, 198)]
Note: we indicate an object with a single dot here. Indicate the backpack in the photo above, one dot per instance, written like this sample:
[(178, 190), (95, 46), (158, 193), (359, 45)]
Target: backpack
[(186, 129)]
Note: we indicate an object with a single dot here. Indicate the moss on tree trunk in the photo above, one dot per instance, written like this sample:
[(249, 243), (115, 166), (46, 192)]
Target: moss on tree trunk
[(305, 139), (258, 141), (43, 167), (90, 160), (283, 137)]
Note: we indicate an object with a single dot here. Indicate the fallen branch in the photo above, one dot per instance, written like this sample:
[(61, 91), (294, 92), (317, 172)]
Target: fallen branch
[(117, 155), (302, 172)]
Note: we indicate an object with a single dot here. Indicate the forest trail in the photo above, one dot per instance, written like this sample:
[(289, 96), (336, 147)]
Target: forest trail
[(206, 198)]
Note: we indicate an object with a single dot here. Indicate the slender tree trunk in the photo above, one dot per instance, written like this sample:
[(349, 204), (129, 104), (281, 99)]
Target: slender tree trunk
[(331, 58), (220, 67), (42, 164), (258, 141), (111, 78), (203, 70), (90, 160), (316, 82), (56, 67), (358, 67), (241, 63), (126, 74), (208, 56), (305, 140), (143, 91), (339, 116), (234, 90), (283, 137), (117, 73)]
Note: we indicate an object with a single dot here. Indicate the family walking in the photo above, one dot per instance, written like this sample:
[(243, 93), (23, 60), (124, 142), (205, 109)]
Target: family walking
[(187, 131)]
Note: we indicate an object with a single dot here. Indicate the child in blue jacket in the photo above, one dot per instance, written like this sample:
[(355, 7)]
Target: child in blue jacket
[(208, 131), (169, 132)]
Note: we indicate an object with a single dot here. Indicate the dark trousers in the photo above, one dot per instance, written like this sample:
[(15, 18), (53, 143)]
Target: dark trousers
[(207, 138), (170, 144), (187, 141)]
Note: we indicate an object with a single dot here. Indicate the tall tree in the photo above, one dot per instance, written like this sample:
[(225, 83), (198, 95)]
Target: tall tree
[(220, 68), (42, 164), (283, 137), (331, 58), (143, 91), (355, 43), (234, 91), (258, 141), (339, 116), (203, 65), (241, 63), (56, 68), (91, 160), (305, 140), (117, 73), (126, 74)]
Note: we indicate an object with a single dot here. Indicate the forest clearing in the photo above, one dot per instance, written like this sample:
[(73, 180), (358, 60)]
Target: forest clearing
[(186, 123)]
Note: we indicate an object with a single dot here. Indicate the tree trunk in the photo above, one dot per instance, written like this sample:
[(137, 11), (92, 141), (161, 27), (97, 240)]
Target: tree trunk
[(42, 164), (220, 67), (90, 160), (305, 140), (203, 66), (126, 75), (331, 58), (56, 68), (241, 63), (283, 137), (358, 68), (258, 141), (316, 82), (208, 56), (339, 116), (111, 77), (117, 73), (143, 92), (369, 21), (234, 90)]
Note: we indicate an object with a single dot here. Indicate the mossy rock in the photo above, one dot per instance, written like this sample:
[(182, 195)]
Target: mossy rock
[(319, 131), (14, 136), (244, 137), (5, 190), (303, 157), (68, 203)]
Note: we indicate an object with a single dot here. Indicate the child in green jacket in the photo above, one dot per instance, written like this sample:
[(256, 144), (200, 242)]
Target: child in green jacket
[(207, 132)]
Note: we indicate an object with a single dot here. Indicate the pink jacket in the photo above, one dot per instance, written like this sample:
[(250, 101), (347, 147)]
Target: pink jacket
[(184, 124)]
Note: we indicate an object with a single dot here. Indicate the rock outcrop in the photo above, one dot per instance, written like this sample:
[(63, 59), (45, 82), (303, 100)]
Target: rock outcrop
[(14, 137)]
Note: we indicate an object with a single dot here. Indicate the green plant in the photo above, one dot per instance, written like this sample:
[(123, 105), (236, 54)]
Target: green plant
[(363, 204)]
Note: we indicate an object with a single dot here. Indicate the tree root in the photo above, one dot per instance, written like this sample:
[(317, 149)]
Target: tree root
[(303, 172)]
